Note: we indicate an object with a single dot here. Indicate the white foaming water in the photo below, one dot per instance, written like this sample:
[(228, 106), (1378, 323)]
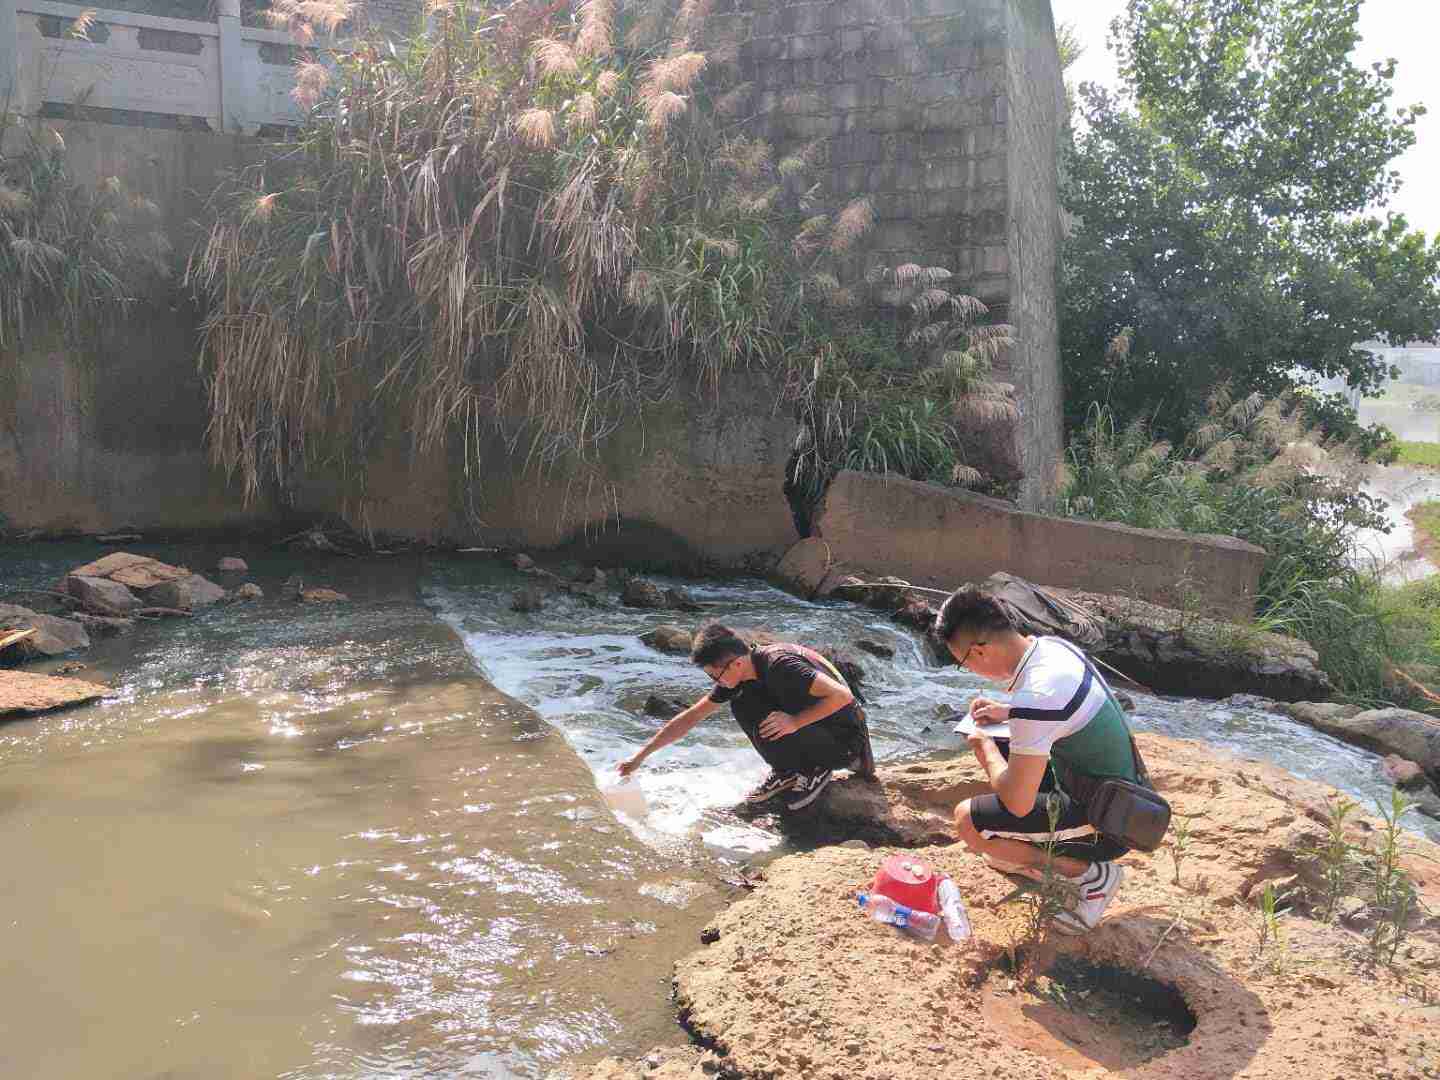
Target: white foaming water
[(585, 670)]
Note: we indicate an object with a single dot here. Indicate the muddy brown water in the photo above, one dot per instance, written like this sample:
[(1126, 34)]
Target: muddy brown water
[(314, 842)]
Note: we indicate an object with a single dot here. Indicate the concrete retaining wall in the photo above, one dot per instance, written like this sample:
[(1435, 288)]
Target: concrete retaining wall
[(940, 538)]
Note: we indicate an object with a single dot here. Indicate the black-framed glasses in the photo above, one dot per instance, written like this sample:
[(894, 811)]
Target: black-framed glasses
[(727, 667), (968, 651)]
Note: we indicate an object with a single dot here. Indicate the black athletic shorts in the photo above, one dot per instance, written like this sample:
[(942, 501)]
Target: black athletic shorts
[(1073, 834)]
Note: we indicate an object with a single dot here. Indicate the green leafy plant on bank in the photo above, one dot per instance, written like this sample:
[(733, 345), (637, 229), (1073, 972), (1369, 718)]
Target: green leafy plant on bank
[(1424, 454), (522, 227), (1251, 469)]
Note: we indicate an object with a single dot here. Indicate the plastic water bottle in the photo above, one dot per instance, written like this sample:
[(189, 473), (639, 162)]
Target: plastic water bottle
[(882, 909), (957, 922)]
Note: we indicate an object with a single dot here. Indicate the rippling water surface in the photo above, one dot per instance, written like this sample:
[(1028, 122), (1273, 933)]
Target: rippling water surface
[(316, 842)]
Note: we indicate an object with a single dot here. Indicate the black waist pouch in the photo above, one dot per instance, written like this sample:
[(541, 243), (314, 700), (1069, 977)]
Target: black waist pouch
[(1136, 816)]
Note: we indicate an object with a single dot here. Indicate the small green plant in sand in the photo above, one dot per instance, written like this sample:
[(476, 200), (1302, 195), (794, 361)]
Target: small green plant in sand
[(1044, 898), (1335, 857), (1179, 842), (1393, 899), (1270, 933)]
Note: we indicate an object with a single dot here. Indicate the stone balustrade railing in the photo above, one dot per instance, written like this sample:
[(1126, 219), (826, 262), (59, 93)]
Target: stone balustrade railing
[(139, 68)]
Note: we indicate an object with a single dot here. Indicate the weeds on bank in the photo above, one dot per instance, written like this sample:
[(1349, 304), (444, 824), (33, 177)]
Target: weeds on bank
[(1179, 842), (1271, 935), (515, 230), (1394, 897), (1044, 899), (1391, 898)]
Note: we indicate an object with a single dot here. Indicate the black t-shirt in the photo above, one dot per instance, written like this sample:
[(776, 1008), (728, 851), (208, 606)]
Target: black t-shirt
[(783, 684)]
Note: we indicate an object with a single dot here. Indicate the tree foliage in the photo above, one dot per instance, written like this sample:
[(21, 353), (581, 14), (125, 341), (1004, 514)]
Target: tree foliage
[(1227, 208)]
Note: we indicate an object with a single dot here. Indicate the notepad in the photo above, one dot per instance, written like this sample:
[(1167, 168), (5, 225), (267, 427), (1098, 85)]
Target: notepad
[(968, 726)]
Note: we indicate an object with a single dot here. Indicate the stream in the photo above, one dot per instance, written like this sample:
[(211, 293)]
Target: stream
[(368, 839)]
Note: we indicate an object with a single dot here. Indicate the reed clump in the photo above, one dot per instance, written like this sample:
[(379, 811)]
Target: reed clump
[(528, 223)]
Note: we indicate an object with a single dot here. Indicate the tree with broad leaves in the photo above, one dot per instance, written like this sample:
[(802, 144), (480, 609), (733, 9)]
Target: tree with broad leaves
[(1227, 206)]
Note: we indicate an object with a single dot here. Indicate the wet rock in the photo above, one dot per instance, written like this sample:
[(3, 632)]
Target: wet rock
[(292, 587), (680, 600), (1402, 773), (102, 595), (1126, 701), (53, 636), (669, 638), (25, 693), (875, 648), (592, 575), (523, 562), (138, 573), (641, 593), (320, 595), (528, 599), (185, 594), (232, 564), (245, 593), (1427, 803), (1403, 732), (101, 626), (664, 707)]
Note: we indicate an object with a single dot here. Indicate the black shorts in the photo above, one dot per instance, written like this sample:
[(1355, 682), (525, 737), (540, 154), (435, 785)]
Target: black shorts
[(1073, 835)]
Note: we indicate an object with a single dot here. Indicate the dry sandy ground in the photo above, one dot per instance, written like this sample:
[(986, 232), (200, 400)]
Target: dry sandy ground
[(800, 984)]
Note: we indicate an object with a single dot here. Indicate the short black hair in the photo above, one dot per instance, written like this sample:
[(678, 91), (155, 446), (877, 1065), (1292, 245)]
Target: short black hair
[(971, 613), (715, 642)]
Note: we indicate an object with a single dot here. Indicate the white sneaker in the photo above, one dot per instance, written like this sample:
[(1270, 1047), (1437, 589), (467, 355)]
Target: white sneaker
[(1098, 887)]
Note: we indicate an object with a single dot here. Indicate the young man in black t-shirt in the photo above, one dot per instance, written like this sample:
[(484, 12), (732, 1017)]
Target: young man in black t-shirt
[(796, 709)]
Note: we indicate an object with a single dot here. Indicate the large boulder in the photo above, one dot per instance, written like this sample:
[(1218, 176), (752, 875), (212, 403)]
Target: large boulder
[(644, 594), (1411, 735), (26, 693), (186, 594), (136, 572), (102, 595), (53, 636), (669, 638)]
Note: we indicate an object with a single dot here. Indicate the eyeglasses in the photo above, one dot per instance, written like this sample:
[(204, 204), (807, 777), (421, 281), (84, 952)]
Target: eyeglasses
[(733, 660), (968, 651)]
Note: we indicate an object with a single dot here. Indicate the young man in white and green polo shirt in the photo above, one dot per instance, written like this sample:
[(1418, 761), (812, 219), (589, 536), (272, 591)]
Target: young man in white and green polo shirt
[(1067, 733)]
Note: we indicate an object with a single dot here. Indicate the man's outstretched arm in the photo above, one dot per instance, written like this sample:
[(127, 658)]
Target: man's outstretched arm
[(677, 727)]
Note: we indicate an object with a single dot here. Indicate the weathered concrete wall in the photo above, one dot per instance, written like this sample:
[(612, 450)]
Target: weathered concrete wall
[(946, 114), (938, 538)]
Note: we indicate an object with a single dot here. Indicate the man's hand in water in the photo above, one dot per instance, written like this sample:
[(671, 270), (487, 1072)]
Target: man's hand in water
[(777, 725), (986, 711), (627, 768)]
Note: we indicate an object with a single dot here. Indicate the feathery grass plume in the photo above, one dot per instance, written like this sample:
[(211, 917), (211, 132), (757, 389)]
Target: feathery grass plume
[(303, 17), (536, 128), (584, 111), (661, 107), (607, 83), (553, 57), (690, 20), (677, 73), (597, 20), (854, 222), (311, 78), (264, 207), (80, 28)]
